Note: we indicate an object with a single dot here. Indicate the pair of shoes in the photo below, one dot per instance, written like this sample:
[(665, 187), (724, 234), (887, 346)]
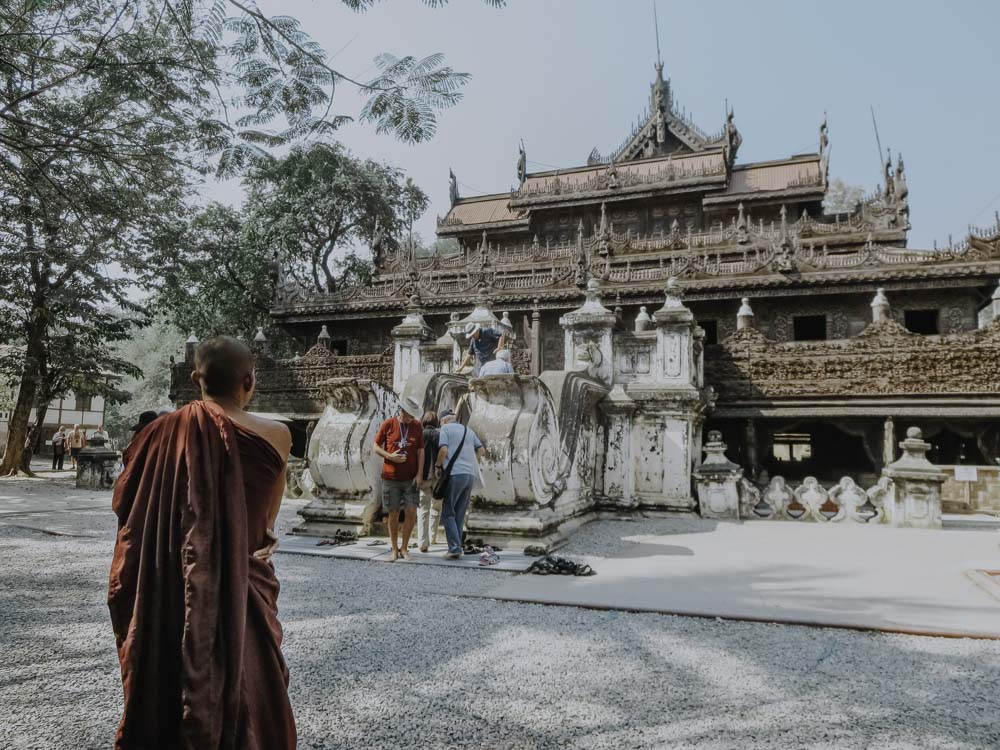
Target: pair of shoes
[(342, 536), (488, 557), (559, 566), (452, 555)]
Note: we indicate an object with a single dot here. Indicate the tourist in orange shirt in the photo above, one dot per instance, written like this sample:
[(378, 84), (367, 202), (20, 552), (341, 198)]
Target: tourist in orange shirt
[(400, 443)]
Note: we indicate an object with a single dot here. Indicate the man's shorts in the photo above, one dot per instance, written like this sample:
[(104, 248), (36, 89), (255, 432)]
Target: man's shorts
[(396, 495), (74, 452)]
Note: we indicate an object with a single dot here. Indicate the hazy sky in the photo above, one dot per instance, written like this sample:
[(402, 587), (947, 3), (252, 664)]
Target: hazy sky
[(568, 75)]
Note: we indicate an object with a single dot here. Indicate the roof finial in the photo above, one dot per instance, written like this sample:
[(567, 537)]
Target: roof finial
[(656, 25)]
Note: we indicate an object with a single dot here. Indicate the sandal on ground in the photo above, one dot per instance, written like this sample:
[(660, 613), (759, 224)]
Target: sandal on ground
[(488, 557), (340, 538), (551, 565)]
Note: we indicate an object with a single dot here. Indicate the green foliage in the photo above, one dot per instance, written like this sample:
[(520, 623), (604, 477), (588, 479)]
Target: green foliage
[(109, 109), (241, 82), (212, 278), (842, 198), (149, 351), (319, 204)]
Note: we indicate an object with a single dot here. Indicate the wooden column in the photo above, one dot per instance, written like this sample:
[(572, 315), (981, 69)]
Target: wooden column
[(536, 340), (751, 443), (888, 441)]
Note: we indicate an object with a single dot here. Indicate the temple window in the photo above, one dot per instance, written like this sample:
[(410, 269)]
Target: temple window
[(83, 401), (711, 328), (792, 447), (925, 322), (809, 327)]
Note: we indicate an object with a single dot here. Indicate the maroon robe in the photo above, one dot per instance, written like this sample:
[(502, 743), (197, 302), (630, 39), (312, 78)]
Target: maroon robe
[(194, 613)]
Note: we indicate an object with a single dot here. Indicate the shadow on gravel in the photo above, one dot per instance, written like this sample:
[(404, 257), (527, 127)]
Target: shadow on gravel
[(474, 673), (379, 660)]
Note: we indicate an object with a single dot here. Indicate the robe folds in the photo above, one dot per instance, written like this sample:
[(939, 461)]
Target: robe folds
[(193, 612)]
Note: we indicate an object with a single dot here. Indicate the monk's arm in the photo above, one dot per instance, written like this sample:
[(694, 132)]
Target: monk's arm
[(283, 438)]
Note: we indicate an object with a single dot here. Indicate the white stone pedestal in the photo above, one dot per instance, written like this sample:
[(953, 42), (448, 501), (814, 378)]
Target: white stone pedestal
[(915, 499)]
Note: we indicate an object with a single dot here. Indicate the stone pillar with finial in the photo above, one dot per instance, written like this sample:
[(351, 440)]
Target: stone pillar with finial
[(654, 432), (676, 361), (642, 321), (190, 347), (587, 338), (407, 339), (915, 499), (323, 339), (995, 299), (718, 481), (880, 307), (259, 345), (744, 316)]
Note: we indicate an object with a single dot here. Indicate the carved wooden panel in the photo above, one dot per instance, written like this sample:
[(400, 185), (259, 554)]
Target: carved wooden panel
[(884, 360)]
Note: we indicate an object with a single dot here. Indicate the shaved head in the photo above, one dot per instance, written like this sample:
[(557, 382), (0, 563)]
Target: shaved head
[(223, 366)]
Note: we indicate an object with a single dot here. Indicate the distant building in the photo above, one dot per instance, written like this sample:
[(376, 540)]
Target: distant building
[(85, 410), (785, 293)]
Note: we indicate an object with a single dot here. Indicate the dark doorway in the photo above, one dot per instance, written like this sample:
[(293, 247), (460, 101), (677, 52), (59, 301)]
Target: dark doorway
[(950, 449), (711, 328), (926, 322), (809, 327), (816, 449)]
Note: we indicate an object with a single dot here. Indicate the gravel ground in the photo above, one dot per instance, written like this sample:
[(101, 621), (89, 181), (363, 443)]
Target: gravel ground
[(386, 656)]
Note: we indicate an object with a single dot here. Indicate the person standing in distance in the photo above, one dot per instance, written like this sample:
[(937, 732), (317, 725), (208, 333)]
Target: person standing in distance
[(483, 345), (400, 443), (499, 366), (462, 477), (429, 512), (76, 441), (58, 448)]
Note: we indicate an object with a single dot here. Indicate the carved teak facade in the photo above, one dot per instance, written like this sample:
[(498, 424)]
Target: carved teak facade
[(808, 386)]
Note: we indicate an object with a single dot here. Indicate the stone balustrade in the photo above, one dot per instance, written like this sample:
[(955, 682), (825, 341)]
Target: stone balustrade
[(907, 494)]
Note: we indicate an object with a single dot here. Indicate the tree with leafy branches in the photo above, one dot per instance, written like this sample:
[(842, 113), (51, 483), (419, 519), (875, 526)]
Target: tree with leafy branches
[(149, 350), (320, 205), (842, 198), (108, 111)]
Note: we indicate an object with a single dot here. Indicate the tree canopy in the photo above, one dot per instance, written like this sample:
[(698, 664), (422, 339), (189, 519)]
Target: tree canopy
[(109, 110), (319, 209), (318, 206)]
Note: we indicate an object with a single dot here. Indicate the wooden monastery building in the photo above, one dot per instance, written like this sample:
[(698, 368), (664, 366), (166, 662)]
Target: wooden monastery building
[(809, 385)]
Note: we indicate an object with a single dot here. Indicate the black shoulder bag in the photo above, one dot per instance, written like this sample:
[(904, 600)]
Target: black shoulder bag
[(441, 485)]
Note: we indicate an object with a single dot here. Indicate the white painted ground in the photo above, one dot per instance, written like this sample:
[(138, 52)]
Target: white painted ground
[(845, 575)]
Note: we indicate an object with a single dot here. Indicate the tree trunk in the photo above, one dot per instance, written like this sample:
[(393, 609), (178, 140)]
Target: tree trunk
[(18, 451), (35, 356), (36, 433), (17, 428)]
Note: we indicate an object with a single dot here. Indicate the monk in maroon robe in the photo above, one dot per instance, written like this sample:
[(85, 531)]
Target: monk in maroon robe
[(193, 595)]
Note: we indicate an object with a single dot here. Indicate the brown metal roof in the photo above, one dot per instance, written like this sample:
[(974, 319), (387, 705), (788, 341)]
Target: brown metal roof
[(754, 178), (485, 210)]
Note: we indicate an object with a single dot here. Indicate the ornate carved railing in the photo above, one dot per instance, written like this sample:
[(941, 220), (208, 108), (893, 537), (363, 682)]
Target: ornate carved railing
[(884, 360), (624, 177)]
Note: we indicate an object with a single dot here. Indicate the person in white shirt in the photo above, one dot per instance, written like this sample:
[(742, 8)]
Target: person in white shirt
[(499, 366), (102, 433)]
